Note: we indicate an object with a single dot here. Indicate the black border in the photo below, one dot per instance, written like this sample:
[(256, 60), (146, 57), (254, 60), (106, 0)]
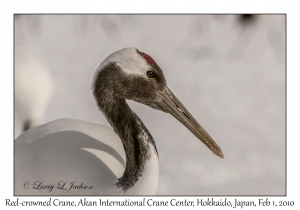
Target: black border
[(14, 16)]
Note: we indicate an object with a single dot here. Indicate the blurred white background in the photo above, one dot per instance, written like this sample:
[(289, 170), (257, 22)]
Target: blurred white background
[(228, 71)]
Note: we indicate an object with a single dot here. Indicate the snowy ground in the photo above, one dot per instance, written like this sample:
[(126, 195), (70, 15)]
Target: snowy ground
[(231, 77)]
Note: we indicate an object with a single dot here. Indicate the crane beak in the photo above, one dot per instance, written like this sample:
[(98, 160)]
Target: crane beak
[(172, 105)]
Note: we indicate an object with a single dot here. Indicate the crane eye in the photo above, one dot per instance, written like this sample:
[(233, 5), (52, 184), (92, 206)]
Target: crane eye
[(150, 74)]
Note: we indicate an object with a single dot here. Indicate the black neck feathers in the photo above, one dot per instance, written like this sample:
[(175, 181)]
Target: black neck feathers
[(108, 87)]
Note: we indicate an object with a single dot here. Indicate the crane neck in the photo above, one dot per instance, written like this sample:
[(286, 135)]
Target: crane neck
[(135, 137)]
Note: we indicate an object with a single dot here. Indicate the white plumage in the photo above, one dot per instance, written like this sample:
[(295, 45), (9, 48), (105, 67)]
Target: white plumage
[(69, 156), (131, 62), (33, 89), (85, 152)]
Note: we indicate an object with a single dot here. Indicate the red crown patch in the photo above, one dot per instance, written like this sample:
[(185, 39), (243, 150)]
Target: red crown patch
[(147, 58)]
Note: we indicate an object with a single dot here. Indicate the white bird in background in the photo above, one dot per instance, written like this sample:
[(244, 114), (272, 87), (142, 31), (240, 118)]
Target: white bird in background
[(68, 156), (33, 90)]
